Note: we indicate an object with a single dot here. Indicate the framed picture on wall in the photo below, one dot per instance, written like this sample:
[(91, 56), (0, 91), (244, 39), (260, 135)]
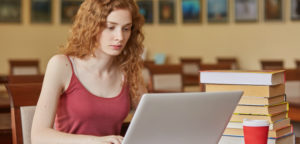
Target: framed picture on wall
[(167, 11), (10, 11), (246, 10), (217, 10), (69, 9), (191, 11), (273, 10), (146, 9), (40, 11), (295, 9)]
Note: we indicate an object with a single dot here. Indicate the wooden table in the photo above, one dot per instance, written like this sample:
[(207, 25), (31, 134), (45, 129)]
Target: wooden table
[(5, 126), (4, 104), (3, 79)]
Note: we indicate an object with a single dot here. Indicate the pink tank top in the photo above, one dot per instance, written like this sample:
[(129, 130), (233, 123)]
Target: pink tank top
[(81, 112)]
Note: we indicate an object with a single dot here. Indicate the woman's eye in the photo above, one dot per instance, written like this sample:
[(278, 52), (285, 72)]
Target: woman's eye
[(126, 29), (110, 28)]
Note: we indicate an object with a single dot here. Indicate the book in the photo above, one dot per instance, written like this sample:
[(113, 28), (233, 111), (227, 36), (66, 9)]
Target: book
[(249, 90), (272, 133), (273, 126), (231, 139), (250, 100), (264, 77), (262, 110), (270, 118)]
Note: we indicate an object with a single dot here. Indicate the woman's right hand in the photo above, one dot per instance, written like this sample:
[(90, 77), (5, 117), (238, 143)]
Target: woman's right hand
[(112, 139)]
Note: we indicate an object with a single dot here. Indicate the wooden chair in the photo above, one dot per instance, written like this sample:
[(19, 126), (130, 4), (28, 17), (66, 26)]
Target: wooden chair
[(166, 78), (271, 64), (5, 127), (215, 67), (24, 67), (25, 79), (146, 73), (23, 98), (292, 89), (148, 62), (3, 79), (190, 71), (229, 60), (297, 64), (5, 115)]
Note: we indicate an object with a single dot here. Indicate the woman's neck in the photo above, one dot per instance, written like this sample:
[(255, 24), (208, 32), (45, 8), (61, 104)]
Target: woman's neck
[(99, 65)]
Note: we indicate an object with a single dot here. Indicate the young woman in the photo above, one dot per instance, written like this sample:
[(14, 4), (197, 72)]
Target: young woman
[(88, 90)]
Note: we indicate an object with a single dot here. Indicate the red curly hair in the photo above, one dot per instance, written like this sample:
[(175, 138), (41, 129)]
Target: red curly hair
[(91, 20)]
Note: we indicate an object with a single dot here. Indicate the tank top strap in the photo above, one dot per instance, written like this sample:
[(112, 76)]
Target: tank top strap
[(71, 62)]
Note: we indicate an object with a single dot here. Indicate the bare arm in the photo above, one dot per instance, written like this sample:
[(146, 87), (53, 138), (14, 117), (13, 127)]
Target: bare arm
[(57, 77)]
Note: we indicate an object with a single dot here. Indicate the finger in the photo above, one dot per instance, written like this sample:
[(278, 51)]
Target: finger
[(120, 137), (115, 140)]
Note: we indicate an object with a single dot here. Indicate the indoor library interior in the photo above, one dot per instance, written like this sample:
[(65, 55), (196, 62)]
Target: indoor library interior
[(177, 46)]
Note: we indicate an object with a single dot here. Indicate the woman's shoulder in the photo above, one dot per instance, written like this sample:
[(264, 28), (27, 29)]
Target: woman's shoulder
[(59, 69), (59, 63), (59, 60)]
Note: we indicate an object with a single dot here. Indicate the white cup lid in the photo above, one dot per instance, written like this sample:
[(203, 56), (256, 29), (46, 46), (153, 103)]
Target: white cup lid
[(247, 122)]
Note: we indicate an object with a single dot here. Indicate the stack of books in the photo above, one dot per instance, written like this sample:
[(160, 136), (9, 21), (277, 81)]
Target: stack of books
[(263, 99)]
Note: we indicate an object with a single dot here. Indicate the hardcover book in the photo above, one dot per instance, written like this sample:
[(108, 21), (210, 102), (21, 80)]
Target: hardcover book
[(266, 77)]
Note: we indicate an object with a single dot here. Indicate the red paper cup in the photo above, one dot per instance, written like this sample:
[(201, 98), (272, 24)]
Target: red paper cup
[(255, 131)]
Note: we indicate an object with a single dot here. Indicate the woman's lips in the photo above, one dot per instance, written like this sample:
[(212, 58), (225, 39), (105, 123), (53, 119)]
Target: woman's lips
[(116, 47)]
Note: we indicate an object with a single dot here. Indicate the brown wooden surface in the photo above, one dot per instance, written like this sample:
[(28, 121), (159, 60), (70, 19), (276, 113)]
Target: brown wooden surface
[(294, 112), (226, 60), (21, 95), (148, 62), (190, 79), (25, 78), (292, 74), (297, 140), (297, 64), (3, 79), (163, 69), (229, 60), (272, 64), (184, 60), (4, 104), (215, 67), (23, 63), (294, 103), (5, 136)]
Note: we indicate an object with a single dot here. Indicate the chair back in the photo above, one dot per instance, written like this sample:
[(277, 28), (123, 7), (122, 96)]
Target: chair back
[(24, 67), (223, 66), (190, 66), (146, 73), (166, 78), (190, 70), (297, 64), (233, 62), (271, 64), (25, 78), (23, 99), (292, 90)]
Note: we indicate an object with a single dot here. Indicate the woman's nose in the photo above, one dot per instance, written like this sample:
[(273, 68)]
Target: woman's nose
[(119, 35)]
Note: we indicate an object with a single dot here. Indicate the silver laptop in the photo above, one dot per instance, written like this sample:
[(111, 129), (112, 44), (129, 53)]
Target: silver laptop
[(181, 118)]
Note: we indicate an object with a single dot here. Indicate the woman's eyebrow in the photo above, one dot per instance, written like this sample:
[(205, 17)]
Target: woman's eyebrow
[(110, 22)]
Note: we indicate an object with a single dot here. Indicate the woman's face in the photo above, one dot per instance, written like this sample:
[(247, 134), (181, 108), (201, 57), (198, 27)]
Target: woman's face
[(115, 35)]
